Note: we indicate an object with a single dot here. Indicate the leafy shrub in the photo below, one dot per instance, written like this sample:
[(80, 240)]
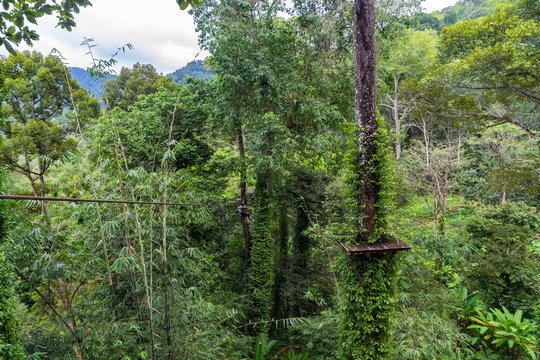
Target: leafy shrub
[(505, 333)]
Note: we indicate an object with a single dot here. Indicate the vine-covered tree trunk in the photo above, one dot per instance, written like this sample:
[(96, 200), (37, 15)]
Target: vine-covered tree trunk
[(366, 119), (367, 287), (299, 260), (261, 272), (282, 269), (367, 282), (248, 239)]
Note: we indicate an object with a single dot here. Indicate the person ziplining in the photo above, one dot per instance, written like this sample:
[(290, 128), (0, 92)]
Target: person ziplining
[(242, 210)]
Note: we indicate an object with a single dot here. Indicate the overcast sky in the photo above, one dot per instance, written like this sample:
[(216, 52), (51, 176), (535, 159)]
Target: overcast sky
[(161, 34)]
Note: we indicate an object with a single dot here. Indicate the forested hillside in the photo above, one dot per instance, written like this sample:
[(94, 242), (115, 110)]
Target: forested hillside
[(195, 69), (461, 11), (92, 85), (271, 209)]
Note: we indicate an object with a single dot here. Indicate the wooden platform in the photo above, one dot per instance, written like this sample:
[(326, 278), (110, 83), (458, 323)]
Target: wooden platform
[(389, 245)]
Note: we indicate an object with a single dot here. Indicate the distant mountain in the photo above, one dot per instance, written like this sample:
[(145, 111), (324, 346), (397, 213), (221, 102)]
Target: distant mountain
[(462, 10), (193, 69), (92, 85)]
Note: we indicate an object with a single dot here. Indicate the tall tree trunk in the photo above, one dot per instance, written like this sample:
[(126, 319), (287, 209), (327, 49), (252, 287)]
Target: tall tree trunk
[(29, 175), (33, 185), (365, 115), (397, 119), (459, 149), (42, 191), (248, 240), (426, 140), (367, 282)]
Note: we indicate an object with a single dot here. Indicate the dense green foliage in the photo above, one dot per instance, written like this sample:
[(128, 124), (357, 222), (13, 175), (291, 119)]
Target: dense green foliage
[(10, 331), (123, 90), (10, 328), (461, 11), (189, 278), (37, 89)]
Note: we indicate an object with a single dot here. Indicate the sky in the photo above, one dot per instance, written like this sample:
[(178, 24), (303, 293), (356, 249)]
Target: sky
[(161, 33), (432, 5)]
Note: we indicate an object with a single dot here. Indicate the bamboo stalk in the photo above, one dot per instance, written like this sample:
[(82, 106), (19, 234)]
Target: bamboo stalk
[(127, 237), (141, 247), (164, 237), (94, 191)]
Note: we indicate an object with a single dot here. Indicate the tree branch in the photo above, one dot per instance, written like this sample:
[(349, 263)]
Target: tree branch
[(483, 116), (48, 303), (524, 94)]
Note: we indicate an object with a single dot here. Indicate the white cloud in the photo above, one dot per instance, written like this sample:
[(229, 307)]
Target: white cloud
[(159, 31), (433, 5), (161, 34)]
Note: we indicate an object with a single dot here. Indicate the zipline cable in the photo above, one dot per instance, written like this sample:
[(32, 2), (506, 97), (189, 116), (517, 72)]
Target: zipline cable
[(46, 198)]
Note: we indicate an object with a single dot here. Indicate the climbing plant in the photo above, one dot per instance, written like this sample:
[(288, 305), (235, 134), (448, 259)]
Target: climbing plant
[(10, 344), (366, 306), (368, 282), (10, 329)]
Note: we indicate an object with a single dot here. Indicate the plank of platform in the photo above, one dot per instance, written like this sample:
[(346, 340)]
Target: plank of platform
[(389, 245)]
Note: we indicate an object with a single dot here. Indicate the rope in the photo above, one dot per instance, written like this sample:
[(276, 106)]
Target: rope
[(45, 198)]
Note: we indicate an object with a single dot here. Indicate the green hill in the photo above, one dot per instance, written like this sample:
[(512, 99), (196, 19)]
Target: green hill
[(92, 85), (193, 69), (462, 10)]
